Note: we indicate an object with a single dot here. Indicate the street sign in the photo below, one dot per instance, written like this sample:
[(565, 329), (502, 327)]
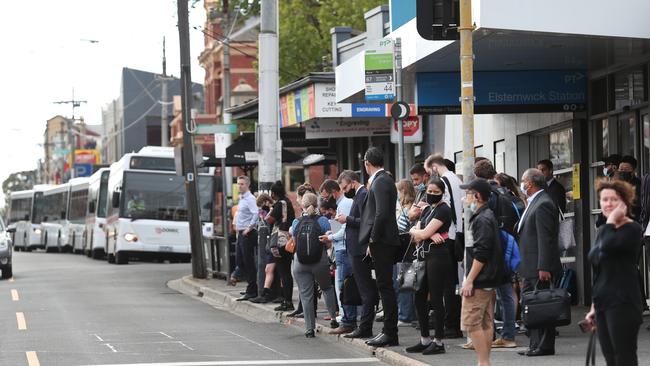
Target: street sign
[(212, 129), (220, 140), (83, 170), (412, 130), (380, 83), (251, 156), (400, 110)]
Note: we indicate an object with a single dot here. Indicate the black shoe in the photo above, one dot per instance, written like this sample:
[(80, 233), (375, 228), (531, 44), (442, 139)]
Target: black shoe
[(334, 324), (286, 306), (246, 297), (453, 333), (359, 333), (310, 334), (418, 348), (536, 352), (382, 340), (434, 349), (242, 292), (278, 300), (294, 313), (260, 300)]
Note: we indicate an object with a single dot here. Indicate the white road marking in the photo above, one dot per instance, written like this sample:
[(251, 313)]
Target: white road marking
[(20, 319), (12, 279), (32, 359), (98, 338), (186, 346), (166, 335), (256, 343), (111, 347), (14, 295), (321, 361)]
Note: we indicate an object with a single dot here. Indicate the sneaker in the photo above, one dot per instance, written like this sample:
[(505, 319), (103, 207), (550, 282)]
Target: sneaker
[(334, 324), (434, 349), (403, 324), (468, 345), (503, 343), (310, 333)]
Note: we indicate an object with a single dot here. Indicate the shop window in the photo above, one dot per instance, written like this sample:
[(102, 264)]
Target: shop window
[(479, 152), (629, 87), (561, 154), (500, 156), (627, 134)]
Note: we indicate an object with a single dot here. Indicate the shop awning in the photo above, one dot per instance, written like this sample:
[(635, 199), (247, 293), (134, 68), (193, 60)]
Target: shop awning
[(236, 154)]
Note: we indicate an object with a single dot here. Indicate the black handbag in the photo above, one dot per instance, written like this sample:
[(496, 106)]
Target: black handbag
[(350, 292), (458, 249), (410, 274), (546, 308)]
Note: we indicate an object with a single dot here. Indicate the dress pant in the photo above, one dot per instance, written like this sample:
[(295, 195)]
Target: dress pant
[(383, 256), (453, 301), (367, 290), (618, 332), (540, 338), (246, 245)]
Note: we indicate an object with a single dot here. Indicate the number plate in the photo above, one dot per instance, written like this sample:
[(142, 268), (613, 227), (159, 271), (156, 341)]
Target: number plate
[(165, 248)]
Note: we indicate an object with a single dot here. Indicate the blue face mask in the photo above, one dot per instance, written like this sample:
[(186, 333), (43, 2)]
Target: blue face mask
[(472, 207), (420, 187)]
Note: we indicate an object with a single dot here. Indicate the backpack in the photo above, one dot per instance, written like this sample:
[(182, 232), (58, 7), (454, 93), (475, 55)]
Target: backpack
[(511, 255), (504, 206), (309, 249)]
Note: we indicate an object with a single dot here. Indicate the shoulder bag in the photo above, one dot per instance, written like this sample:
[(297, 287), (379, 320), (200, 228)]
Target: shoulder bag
[(458, 249), (279, 238), (410, 274), (546, 308)]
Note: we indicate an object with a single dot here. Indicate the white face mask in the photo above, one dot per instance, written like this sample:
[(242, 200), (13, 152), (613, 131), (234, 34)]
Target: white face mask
[(522, 187)]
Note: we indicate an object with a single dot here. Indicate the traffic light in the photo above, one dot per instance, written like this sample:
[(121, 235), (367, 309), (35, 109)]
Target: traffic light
[(438, 19)]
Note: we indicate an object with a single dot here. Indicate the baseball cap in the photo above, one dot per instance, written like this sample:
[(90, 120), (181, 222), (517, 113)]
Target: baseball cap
[(479, 185)]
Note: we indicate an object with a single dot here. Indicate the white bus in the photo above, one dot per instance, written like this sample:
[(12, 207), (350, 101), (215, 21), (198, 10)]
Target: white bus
[(95, 236), (77, 209), (25, 214), (54, 218), (147, 213)]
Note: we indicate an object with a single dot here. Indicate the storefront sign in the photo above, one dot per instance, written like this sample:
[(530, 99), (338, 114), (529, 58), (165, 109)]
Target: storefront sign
[(369, 110), (505, 91), (220, 140), (412, 130), (297, 106), (326, 106), (86, 156), (380, 83), (323, 129), (576, 181)]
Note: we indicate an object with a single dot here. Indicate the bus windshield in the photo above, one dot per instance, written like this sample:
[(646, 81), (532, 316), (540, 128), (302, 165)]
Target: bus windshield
[(39, 203), (20, 209), (157, 196)]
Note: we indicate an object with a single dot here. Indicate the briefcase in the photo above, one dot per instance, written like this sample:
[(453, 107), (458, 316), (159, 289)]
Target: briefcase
[(546, 308), (350, 293)]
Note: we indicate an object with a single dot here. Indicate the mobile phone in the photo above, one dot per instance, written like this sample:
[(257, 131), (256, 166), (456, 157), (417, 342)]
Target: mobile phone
[(585, 326)]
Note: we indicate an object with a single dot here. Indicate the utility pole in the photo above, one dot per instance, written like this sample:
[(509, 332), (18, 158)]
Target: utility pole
[(270, 158), (164, 125), (226, 117), (70, 125), (189, 168), (401, 172)]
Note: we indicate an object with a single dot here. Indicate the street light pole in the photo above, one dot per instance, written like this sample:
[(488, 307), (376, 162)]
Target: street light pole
[(401, 172), (467, 86), (189, 167)]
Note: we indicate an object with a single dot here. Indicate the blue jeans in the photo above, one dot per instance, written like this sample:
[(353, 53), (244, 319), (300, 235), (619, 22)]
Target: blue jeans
[(343, 269), (506, 297), (405, 302)]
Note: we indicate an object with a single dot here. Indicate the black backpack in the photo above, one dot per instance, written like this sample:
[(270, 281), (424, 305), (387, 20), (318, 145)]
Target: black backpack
[(504, 206), (309, 249)]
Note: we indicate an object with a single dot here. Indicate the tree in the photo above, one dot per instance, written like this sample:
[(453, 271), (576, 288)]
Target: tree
[(305, 41), (19, 181)]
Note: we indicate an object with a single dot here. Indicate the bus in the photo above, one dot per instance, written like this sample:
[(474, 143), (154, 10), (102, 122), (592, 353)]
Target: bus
[(95, 239), (77, 209), (25, 214), (147, 212), (54, 218)]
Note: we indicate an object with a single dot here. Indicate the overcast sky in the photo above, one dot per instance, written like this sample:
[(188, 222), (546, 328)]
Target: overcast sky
[(45, 54)]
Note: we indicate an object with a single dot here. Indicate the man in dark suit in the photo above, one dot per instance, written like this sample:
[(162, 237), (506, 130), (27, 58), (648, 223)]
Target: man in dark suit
[(379, 232), (350, 186), (540, 254), (554, 188)]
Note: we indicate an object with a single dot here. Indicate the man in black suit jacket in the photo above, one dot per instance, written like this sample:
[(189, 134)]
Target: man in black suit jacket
[(554, 188), (379, 231), (350, 186), (540, 254)]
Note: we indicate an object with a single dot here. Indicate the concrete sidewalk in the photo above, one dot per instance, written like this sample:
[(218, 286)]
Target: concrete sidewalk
[(571, 345)]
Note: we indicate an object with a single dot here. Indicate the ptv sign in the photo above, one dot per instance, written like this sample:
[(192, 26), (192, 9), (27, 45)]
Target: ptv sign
[(412, 130)]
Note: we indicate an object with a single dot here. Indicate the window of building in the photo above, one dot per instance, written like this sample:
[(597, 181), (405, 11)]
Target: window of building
[(629, 87), (500, 156), (479, 152)]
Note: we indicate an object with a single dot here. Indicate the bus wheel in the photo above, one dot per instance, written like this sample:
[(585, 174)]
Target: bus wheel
[(28, 249), (121, 258), (110, 258), (96, 254)]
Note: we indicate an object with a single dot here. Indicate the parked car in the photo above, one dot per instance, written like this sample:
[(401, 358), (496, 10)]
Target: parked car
[(5, 251)]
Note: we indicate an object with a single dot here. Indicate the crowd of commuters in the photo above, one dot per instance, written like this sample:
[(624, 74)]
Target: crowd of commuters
[(351, 231)]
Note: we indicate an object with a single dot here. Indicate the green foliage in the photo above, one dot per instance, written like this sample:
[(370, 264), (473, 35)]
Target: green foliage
[(305, 32), (18, 181)]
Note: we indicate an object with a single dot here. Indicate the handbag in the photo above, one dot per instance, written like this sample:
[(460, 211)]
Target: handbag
[(279, 238), (350, 292), (566, 240), (458, 249), (411, 274), (547, 307)]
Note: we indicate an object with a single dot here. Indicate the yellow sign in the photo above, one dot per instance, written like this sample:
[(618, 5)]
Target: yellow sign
[(576, 181)]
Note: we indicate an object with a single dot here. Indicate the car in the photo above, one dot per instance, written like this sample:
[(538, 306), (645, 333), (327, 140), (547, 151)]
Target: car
[(5, 252)]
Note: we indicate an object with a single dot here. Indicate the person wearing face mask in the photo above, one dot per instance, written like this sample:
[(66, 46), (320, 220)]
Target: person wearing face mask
[(611, 165), (627, 173), (540, 253), (431, 236)]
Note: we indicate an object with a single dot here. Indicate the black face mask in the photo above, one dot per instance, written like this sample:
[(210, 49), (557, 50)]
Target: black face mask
[(432, 199), (626, 176), (266, 208), (350, 193)]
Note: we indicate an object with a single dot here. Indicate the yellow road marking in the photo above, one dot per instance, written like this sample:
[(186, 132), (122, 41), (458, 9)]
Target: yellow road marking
[(14, 295), (22, 324), (32, 359)]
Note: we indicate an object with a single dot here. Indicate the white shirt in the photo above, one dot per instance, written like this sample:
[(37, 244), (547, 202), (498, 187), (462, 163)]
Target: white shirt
[(530, 202), (458, 193), (372, 177)]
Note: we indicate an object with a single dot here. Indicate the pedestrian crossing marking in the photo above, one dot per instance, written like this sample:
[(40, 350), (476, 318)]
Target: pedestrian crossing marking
[(32, 359)]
